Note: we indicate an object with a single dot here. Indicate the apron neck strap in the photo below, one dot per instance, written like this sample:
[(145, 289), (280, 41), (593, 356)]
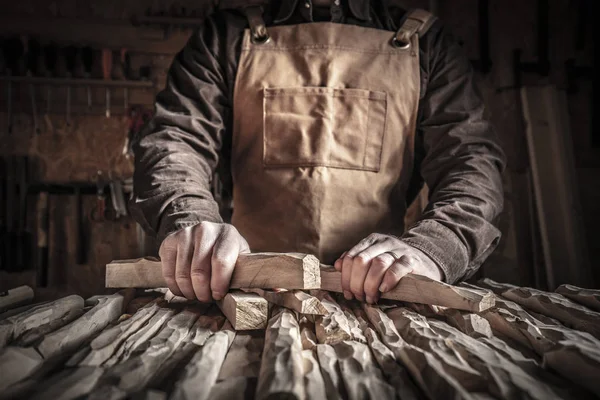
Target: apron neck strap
[(257, 24), (416, 21)]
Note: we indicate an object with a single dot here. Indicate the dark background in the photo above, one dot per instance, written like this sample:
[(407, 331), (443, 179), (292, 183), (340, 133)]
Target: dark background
[(513, 44)]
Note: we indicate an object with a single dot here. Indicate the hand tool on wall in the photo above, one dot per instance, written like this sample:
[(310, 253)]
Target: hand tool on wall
[(101, 212), (13, 56), (81, 237), (117, 197), (125, 66), (71, 61), (106, 74), (138, 118), (87, 56), (21, 237), (50, 58), (42, 224), (32, 55)]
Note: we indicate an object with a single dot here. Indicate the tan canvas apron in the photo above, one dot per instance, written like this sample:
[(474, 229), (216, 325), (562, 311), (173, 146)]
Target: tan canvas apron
[(324, 122)]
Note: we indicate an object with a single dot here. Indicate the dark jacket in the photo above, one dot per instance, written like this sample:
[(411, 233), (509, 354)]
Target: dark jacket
[(456, 151)]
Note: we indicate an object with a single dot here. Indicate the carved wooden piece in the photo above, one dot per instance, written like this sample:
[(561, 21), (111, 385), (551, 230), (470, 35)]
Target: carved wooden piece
[(281, 373), (243, 357), (258, 270), (333, 327), (471, 324), (42, 319), (245, 311), (105, 345), (330, 370), (17, 363), (313, 379), (13, 298), (202, 371), (69, 337), (425, 368), (135, 373), (69, 384), (587, 297), (504, 378), (419, 289), (361, 375), (236, 388), (555, 305), (307, 334), (296, 300)]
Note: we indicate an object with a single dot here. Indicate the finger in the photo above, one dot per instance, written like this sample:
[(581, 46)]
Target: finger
[(168, 260), (379, 266), (201, 263), (402, 267), (339, 262), (224, 256), (361, 264), (362, 245), (185, 252), (346, 275)]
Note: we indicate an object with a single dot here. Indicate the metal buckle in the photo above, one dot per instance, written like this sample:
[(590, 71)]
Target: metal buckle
[(400, 44), (262, 39)]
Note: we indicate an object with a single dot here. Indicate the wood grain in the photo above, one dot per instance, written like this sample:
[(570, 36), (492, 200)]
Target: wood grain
[(419, 289), (258, 270), (296, 300), (245, 311)]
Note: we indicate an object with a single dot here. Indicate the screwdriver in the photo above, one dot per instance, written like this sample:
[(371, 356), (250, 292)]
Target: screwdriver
[(87, 56), (71, 60), (106, 70)]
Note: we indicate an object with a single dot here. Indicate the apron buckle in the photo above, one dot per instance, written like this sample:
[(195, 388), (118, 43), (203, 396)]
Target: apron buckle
[(400, 44)]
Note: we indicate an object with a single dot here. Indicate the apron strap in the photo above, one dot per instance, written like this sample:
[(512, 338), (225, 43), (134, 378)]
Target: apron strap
[(257, 24), (416, 21)]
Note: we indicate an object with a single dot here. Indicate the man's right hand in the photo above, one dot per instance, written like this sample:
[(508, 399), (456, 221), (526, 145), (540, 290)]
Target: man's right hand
[(198, 261)]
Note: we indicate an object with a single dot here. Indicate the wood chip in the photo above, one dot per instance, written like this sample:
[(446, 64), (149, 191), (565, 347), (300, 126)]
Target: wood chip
[(245, 311)]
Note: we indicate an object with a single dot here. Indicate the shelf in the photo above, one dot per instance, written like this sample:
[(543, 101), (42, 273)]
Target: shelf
[(78, 82)]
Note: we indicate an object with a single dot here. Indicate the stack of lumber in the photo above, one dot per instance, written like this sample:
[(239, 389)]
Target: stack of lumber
[(487, 341)]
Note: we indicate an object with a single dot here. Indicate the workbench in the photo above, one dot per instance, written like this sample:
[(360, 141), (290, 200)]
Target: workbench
[(303, 344)]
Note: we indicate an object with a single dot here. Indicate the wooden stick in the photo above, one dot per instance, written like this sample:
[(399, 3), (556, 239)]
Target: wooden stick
[(281, 374), (245, 311), (296, 300), (419, 289), (258, 270), (42, 319), (202, 371), (587, 297), (69, 337), (15, 297)]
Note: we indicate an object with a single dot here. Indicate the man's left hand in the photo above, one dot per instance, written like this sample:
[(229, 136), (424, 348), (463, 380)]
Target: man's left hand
[(377, 263)]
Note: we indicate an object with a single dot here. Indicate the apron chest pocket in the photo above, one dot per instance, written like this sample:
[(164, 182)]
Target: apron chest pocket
[(319, 126)]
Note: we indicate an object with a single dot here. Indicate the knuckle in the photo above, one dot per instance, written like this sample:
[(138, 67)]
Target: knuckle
[(379, 261), (362, 259)]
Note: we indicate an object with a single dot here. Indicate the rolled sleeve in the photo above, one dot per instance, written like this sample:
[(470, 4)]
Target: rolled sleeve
[(462, 164)]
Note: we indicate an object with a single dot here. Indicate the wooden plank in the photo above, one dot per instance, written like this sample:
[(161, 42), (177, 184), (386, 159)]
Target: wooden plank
[(296, 300), (419, 289), (15, 297), (201, 373), (281, 369), (551, 160), (258, 270), (245, 311), (427, 371), (34, 323), (587, 297)]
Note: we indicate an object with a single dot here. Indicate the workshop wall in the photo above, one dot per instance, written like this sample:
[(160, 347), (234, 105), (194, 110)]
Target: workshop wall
[(70, 150)]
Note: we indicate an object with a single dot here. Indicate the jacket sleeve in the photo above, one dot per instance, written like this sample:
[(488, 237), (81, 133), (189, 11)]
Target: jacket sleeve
[(462, 165), (176, 155)]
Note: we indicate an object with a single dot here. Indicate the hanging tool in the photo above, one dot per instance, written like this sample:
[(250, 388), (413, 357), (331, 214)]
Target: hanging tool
[(118, 198), (101, 213), (10, 215), (71, 61), (81, 237), (138, 118), (22, 237), (42, 224), (13, 56), (32, 54), (125, 67), (106, 74), (87, 56), (50, 58)]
